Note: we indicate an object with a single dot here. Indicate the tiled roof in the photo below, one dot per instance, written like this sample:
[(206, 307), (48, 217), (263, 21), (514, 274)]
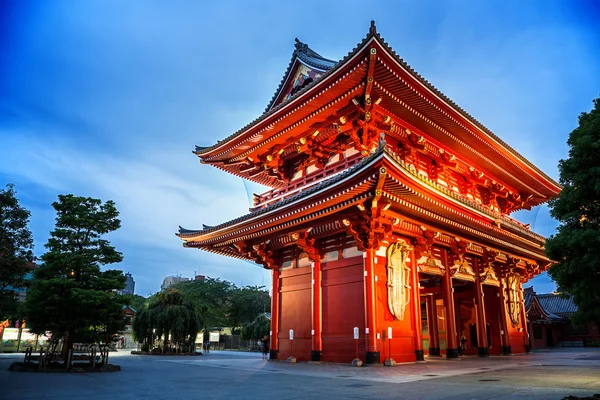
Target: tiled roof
[(554, 303), (528, 294), (302, 193)]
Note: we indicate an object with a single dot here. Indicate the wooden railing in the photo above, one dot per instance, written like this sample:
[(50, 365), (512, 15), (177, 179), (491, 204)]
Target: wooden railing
[(293, 187)]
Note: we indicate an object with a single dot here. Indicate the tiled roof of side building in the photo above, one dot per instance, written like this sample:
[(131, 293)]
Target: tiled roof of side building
[(556, 304)]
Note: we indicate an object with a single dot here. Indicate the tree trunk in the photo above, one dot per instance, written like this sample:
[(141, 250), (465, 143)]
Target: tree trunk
[(67, 344)]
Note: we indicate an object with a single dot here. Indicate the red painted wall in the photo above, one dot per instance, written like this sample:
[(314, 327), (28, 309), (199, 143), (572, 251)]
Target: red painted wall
[(295, 313), (402, 344), (343, 309)]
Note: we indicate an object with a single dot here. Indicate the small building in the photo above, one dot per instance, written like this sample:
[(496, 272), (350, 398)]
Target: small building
[(128, 314), (549, 318), (172, 280)]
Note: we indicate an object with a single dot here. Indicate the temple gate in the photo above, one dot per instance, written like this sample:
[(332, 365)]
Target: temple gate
[(388, 211)]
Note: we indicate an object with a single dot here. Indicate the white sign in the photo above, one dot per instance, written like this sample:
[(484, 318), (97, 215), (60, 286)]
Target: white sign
[(366, 331), (389, 332), (291, 334), (213, 336), (356, 332)]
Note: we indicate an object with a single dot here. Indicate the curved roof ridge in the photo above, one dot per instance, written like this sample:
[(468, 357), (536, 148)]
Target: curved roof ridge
[(200, 150)]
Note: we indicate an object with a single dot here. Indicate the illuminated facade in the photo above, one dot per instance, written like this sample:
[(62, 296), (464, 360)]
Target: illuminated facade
[(389, 212)]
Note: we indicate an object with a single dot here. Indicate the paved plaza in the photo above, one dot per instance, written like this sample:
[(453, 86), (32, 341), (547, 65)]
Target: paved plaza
[(235, 375)]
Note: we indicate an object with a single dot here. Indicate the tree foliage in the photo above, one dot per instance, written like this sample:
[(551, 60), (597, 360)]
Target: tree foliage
[(246, 303), (69, 295), (220, 303), (577, 208), (170, 318), (210, 300), (16, 249), (136, 301), (257, 329)]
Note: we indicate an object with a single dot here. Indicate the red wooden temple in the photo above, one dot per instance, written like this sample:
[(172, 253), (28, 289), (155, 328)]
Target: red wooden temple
[(388, 212)]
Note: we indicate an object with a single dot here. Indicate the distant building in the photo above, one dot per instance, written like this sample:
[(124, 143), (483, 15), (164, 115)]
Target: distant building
[(129, 285), (549, 318), (172, 280)]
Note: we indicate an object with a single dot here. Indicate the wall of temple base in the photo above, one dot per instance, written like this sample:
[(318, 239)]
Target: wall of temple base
[(344, 306), (342, 309), (295, 314)]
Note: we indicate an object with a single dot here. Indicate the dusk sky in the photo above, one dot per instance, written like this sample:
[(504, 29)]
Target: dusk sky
[(108, 98)]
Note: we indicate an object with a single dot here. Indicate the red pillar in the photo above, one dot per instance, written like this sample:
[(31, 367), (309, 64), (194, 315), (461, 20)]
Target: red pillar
[(482, 342), (505, 338), (416, 301), (448, 292), (524, 320), (434, 338), (371, 304), (317, 344), (275, 314)]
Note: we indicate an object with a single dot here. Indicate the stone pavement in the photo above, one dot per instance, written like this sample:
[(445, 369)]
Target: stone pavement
[(220, 374)]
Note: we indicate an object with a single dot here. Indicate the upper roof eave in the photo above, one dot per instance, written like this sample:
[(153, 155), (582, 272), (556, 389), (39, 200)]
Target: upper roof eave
[(203, 152)]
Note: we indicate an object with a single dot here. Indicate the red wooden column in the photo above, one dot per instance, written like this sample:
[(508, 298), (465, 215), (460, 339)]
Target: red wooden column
[(416, 301), (448, 293), (506, 349), (434, 338), (372, 356), (317, 343), (275, 314), (524, 320), (482, 339)]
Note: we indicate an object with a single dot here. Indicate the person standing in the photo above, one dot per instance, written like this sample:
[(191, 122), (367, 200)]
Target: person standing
[(265, 347)]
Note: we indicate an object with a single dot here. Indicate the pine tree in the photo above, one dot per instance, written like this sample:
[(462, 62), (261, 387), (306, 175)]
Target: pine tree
[(70, 296)]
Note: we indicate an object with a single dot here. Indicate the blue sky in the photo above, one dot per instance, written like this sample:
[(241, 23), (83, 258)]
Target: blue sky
[(108, 98)]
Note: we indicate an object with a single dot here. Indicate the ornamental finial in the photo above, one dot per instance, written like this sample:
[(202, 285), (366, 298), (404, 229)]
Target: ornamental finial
[(373, 28), (299, 45)]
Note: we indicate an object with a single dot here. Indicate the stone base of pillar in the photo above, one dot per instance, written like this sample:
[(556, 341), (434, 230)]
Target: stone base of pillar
[(527, 348), (434, 351), (373, 357), (506, 350), (273, 354), (483, 352), (420, 355), (315, 355), (451, 353)]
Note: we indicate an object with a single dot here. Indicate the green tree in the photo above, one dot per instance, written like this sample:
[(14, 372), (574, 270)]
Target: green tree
[(210, 298), (16, 249), (136, 301), (257, 329), (577, 208), (69, 295), (246, 303), (170, 318)]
